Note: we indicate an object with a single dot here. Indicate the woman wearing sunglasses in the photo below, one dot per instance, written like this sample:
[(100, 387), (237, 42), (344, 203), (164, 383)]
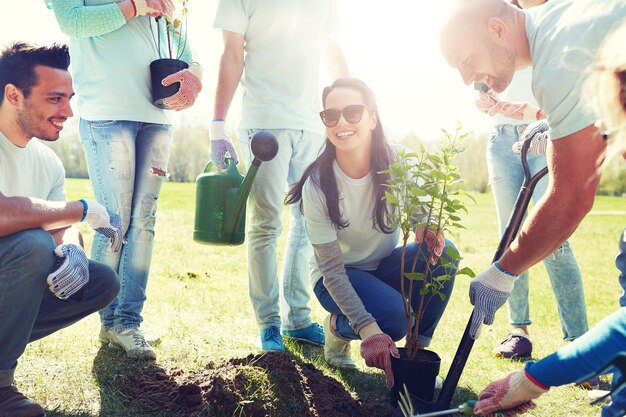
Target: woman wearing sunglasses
[(356, 253)]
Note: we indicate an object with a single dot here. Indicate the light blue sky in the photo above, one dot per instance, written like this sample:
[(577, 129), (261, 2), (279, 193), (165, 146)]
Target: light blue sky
[(393, 47)]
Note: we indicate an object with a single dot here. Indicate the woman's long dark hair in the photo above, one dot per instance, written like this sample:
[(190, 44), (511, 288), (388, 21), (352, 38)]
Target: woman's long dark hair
[(322, 174)]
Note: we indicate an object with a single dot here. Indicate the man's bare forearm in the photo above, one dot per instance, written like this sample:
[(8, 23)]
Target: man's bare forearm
[(23, 213), (574, 177)]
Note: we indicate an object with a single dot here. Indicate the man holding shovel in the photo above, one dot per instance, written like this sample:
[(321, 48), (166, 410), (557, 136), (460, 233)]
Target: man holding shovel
[(487, 41)]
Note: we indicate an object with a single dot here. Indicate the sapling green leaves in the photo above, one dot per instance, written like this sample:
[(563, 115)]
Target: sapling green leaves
[(424, 196)]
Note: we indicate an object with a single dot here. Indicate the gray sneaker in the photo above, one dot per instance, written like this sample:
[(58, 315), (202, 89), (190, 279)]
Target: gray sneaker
[(131, 340), (151, 339), (336, 349)]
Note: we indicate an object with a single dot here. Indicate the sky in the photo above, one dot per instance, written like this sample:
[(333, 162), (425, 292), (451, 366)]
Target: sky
[(392, 47)]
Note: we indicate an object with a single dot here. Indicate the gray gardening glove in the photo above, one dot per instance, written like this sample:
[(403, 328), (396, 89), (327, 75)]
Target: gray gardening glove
[(539, 134), (103, 221), (221, 144), (72, 273), (488, 292)]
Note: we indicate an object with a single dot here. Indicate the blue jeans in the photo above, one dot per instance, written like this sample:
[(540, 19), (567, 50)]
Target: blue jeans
[(506, 178), (620, 263), (379, 291), (297, 150), (28, 310), (127, 164)]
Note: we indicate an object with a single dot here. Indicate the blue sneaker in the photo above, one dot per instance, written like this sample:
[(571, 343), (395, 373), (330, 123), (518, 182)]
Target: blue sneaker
[(313, 335), (271, 339)]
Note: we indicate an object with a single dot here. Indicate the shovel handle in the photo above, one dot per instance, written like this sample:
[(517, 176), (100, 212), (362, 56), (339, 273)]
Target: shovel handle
[(515, 221)]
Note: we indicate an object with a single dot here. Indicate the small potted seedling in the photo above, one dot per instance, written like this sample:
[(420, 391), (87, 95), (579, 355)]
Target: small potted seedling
[(170, 39), (424, 194)]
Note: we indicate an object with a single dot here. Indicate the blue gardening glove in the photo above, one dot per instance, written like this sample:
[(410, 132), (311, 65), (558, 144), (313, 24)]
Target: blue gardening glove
[(539, 134), (488, 292), (103, 221), (221, 144), (72, 273)]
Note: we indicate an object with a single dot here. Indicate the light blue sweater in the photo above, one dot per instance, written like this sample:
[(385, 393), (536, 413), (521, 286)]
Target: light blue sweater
[(586, 356), (111, 59)]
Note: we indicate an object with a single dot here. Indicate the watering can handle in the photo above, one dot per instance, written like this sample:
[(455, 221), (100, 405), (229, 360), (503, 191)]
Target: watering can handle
[(209, 165)]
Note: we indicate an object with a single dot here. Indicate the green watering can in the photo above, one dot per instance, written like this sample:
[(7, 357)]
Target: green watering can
[(221, 196)]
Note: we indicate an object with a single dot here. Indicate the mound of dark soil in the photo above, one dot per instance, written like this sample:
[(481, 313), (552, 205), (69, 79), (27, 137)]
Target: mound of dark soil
[(269, 384)]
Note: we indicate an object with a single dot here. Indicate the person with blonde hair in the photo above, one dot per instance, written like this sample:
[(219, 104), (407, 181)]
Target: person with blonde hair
[(592, 352)]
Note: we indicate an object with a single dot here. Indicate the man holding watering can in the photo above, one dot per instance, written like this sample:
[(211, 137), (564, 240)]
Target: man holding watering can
[(281, 95)]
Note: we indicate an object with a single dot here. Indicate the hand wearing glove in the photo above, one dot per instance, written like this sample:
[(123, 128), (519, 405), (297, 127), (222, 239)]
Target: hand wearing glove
[(488, 292), (72, 274), (435, 242), (377, 349), (539, 134), (510, 396), (190, 86), (103, 221), (221, 144), (153, 8)]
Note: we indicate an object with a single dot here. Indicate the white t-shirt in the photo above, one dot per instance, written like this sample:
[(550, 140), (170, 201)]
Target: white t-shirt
[(362, 245), (564, 36), (283, 45), (33, 171)]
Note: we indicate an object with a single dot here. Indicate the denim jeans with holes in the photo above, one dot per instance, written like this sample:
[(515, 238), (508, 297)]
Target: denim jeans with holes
[(506, 178), (127, 164), (379, 291), (28, 309), (297, 150)]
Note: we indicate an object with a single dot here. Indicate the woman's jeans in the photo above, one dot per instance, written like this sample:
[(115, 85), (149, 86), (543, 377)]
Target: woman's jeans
[(127, 164), (379, 291), (297, 150), (28, 310), (506, 178)]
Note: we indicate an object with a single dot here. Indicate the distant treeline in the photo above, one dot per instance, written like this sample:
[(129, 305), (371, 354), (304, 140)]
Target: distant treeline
[(190, 153)]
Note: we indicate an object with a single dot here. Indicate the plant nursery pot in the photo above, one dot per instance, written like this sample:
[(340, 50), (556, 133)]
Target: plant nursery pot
[(418, 375), (160, 69)]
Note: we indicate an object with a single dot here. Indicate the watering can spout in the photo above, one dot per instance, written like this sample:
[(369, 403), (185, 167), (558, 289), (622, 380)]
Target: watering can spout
[(221, 197)]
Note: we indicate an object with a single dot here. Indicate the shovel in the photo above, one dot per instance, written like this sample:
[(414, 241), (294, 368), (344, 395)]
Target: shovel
[(515, 221)]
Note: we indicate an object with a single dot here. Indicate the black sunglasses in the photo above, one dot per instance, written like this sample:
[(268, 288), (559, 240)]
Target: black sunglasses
[(352, 114)]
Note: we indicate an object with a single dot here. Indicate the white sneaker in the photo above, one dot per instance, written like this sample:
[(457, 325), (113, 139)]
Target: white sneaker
[(131, 340), (336, 349), (150, 338)]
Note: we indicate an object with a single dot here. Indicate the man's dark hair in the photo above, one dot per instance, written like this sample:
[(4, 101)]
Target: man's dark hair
[(18, 62)]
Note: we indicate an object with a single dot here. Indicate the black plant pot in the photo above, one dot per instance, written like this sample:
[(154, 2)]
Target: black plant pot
[(418, 375), (160, 69)]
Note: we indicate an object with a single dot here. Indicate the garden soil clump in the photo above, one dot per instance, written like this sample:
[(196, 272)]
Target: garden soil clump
[(268, 384)]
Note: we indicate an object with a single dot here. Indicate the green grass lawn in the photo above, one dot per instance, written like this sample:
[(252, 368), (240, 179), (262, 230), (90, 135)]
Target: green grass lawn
[(198, 303)]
